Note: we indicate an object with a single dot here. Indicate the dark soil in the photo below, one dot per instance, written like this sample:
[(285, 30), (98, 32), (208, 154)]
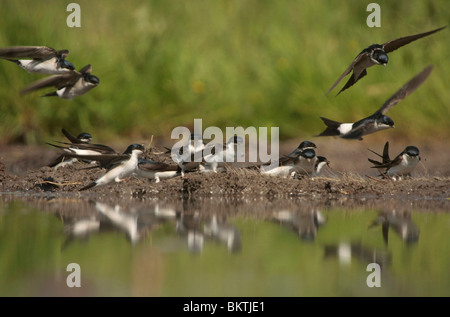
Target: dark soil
[(23, 171)]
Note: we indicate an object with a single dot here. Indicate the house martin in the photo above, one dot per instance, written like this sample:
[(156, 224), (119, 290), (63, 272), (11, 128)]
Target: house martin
[(297, 151), (68, 86), (377, 121), (402, 165), (302, 163), (38, 59), (306, 162), (156, 170), (80, 148), (320, 163), (119, 166), (287, 164), (219, 156), (189, 156), (384, 157), (375, 54), (82, 138)]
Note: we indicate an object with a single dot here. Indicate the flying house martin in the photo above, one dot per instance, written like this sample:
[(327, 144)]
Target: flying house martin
[(68, 86), (375, 54), (377, 121), (38, 59)]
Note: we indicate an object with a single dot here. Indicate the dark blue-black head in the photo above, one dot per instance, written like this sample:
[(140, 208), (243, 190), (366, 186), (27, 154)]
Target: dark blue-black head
[(412, 151), (84, 137), (306, 145), (92, 79), (387, 121), (308, 153), (134, 147), (321, 159), (379, 57), (66, 64)]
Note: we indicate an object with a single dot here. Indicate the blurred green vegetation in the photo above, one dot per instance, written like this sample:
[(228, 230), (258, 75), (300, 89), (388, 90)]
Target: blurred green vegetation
[(230, 62)]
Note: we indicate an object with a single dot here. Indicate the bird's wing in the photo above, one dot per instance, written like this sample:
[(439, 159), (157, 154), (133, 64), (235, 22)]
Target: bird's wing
[(63, 53), (57, 81), (385, 155), (151, 166), (348, 70), (359, 129), (86, 69), (352, 80), (389, 164), (375, 163), (69, 136), (101, 148), (39, 52), (406, 90), (107, 161), (397, 43)]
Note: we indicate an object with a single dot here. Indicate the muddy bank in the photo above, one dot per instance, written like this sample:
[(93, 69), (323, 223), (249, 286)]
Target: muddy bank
[(24, 174)]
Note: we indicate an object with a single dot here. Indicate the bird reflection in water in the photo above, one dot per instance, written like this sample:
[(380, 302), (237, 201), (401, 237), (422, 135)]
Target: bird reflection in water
[(400, 222), (305, 223), (133, 223), (346, 251), (191, 226)]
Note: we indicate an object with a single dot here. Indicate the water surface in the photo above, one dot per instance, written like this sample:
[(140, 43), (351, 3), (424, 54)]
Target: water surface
[(220, 248)]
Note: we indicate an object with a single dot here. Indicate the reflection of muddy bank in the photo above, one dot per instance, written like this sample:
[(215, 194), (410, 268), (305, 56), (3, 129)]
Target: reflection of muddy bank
[(75, 205)]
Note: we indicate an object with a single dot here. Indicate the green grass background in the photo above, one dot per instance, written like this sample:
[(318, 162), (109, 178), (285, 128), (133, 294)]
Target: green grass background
[(162, 63)]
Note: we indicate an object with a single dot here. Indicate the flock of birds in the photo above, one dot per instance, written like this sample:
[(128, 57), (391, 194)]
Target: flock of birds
[(70, 83)]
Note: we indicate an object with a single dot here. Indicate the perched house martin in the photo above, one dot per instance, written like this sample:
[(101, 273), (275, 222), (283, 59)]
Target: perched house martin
[(80, 148), (219, 156), (189, 156), (384, 157), (377, 121), (302, 164), (82, 138), (402, 165), (321, 162), (375, 54), (156, 170), (296, 153), (68, 86), (38, 59), (306, 162), (119, 167), (287, 163)]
